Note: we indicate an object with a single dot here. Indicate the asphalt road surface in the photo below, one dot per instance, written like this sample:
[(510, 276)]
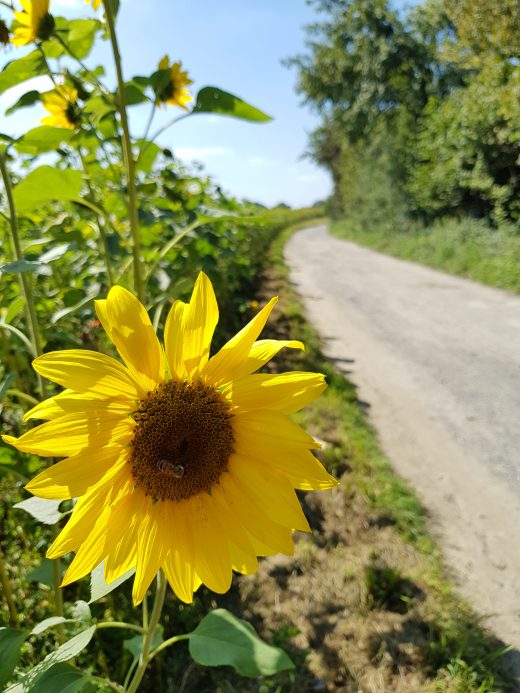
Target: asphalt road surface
[(437, 359)]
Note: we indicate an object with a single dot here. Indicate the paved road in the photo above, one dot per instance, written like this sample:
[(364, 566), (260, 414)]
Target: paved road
[(437, 358)]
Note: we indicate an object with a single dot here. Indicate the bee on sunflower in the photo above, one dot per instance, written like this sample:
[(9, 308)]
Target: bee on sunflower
[(174, 91), (180, 461), (35, 22), (62, 105)]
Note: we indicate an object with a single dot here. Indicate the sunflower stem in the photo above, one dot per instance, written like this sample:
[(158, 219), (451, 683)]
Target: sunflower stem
[(25, 283), (167, 643), (145, 656), (121, 624), (8, 593), (127, 155)]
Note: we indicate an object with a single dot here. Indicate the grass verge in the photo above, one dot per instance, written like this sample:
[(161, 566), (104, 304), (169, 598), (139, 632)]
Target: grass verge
[(467, 247)]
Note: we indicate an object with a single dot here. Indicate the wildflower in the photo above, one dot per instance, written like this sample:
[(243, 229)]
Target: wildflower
[(95, 3), (61, 104), (175, 91), (35, 22), (179, 461)]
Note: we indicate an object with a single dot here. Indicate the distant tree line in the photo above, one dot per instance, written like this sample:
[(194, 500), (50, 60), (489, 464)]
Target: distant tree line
[(420, 110)]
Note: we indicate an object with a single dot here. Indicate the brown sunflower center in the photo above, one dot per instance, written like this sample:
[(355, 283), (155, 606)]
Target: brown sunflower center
[(46, 27), (72, 114), (182, 440)]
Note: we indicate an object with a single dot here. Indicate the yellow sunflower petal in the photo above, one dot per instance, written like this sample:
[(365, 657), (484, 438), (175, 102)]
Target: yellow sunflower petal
[(46, 410), (132, 333), (179, 564), (270, 491), (91, 551), (242, 561), (22, 37), (39, 9), (302, 469), (73, 476), (109, 528), (123, 554), (58, 121), (67, 402), (233, 530), (164, 63), (87, 510), (174, 339), (272, 535), (200, 320), (212, 560), (152, 547), (72, 433), (263, 351), (222, 366), (83, 370), (286, 392), (23, 18), (253, 426)]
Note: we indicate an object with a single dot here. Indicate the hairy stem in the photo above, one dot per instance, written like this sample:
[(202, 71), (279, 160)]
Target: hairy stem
[(155, 616), (127, 155), (8, 593)]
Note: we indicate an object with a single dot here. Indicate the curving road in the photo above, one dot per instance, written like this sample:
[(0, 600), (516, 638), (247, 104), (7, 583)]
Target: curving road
[(437, 358)]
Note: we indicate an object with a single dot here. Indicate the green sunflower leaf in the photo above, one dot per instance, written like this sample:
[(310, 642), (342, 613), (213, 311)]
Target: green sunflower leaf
[(43, 573), (15, 308), (63, 678), (28, 99), (10, 643), (222, 639), (36, 680), (99, 588), (214, 100), (22, 69), (20, 266), (42, 509), (82, 33), (46, 183), (43, 138)]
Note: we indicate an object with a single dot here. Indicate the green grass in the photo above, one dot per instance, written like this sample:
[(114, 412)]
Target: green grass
[(459, 654), (466, 247)]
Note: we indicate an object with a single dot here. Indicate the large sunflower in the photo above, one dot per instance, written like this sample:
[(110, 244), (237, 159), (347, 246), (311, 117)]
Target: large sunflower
[(61, 104), (35, 22), (179, 461), (175, 92)]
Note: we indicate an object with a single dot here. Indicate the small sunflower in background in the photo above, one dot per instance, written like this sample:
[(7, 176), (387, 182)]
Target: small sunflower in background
[(4, 34), (62, 105), (95, 3), (179, 461), (35, 22), (175, 92)]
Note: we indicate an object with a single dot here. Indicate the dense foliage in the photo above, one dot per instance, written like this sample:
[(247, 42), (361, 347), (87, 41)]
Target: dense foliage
[(420, 109)]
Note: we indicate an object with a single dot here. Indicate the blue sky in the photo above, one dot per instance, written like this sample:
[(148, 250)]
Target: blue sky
[(236, 45)]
